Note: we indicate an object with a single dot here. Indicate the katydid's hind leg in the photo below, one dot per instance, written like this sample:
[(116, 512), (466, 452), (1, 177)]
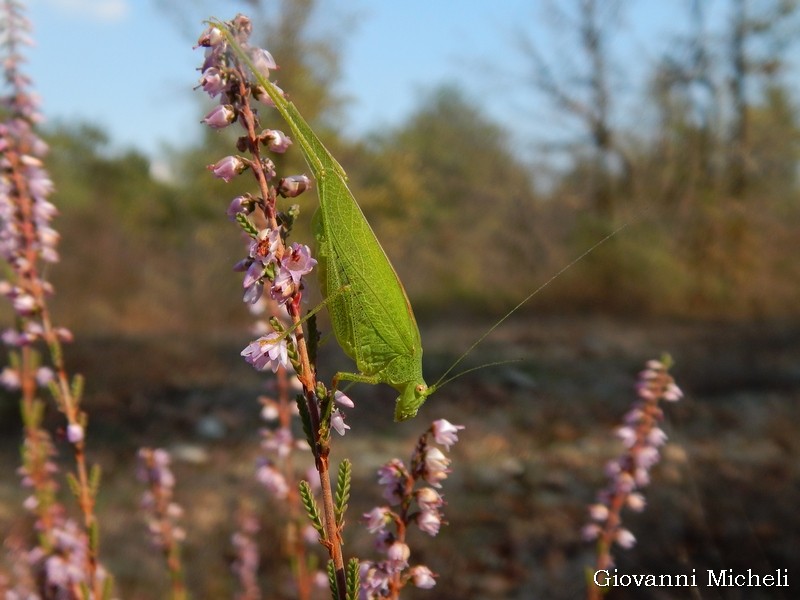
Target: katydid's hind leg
[(354, 377)]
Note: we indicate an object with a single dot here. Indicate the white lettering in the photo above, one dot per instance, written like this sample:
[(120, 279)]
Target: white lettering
[(605, 578), (713, 580)]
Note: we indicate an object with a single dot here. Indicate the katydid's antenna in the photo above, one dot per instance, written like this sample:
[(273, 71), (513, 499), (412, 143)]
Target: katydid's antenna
[(561, 271)]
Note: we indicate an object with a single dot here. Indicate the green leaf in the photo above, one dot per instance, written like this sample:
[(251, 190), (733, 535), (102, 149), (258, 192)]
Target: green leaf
[(307, 496), (94, 479), (74, 486), (352, 579), (77, 387), (305, 418), (342, 490), (332, 581), (246, 225), (94, 536), (108, 587)]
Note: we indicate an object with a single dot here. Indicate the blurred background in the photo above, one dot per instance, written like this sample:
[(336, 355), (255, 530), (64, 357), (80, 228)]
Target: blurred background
[(489, 144)]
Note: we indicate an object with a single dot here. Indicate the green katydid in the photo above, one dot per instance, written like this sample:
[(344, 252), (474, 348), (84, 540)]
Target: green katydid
[(372, 318)]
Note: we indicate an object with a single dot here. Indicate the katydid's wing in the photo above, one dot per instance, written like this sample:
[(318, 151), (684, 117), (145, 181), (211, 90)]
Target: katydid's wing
[(373, 320), (379, 312)]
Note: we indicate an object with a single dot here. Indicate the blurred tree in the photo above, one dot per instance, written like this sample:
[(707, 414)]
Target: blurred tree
[(451, 203), (759, 37), (687, 99), (727, 135), (584, 91)]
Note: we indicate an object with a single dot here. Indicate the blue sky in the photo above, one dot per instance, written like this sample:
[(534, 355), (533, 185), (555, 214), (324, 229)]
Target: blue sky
[(128, 67)]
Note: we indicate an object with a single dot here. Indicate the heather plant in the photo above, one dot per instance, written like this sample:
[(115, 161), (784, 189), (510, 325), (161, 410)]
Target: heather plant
[(65, 559), (163, 513), (628, 474)]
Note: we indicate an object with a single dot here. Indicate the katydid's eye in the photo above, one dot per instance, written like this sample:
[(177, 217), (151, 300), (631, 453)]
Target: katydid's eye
[(421, 389)]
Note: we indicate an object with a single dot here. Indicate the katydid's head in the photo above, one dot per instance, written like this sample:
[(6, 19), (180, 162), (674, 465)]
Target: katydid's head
[(412, 396)]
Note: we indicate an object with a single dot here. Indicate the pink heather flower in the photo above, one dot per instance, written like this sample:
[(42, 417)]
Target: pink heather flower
[(394, 477), (298, 261), (220, 116), (293, 186), (445, 433), (210, 37), (598, 512), (378, 518), (272, 479), (422, 577), (320, 579), (337, 422), (262, 61), (44, 375), (269, 168), (374, 580), (240, 204), (429, 521), (641, 477), (31, 503), (428, 498), (343, 400), (24, 304), (212, 82), (624, 483), (252, 294), (227, 168), (253, 274), (269, 410), (435, 467), (627, 436), (625, 539), (398, 554), (268, 352), (9, 379), (74, 433), (64, 335), (284, 286), (647, 456), (673, 393), (263, 247), (279, 441), (590, 532), (310, 535), (275, 140), (656, 437), (636, 502)]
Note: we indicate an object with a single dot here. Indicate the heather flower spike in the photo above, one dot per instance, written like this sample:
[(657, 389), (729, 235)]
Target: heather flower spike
[(273, 270), (66, 558), (641, 438), (411, 502)]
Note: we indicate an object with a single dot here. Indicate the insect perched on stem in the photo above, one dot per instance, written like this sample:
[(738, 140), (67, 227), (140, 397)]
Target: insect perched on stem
[(370, 313)]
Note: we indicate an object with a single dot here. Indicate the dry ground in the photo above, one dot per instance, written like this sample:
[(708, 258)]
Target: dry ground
[(725, 495)]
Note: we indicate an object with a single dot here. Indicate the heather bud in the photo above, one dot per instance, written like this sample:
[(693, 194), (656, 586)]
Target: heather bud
[(220, 116), (210, 37), (422, 577), (74, 433), (275, 140), (293, 186), (227, 168)]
